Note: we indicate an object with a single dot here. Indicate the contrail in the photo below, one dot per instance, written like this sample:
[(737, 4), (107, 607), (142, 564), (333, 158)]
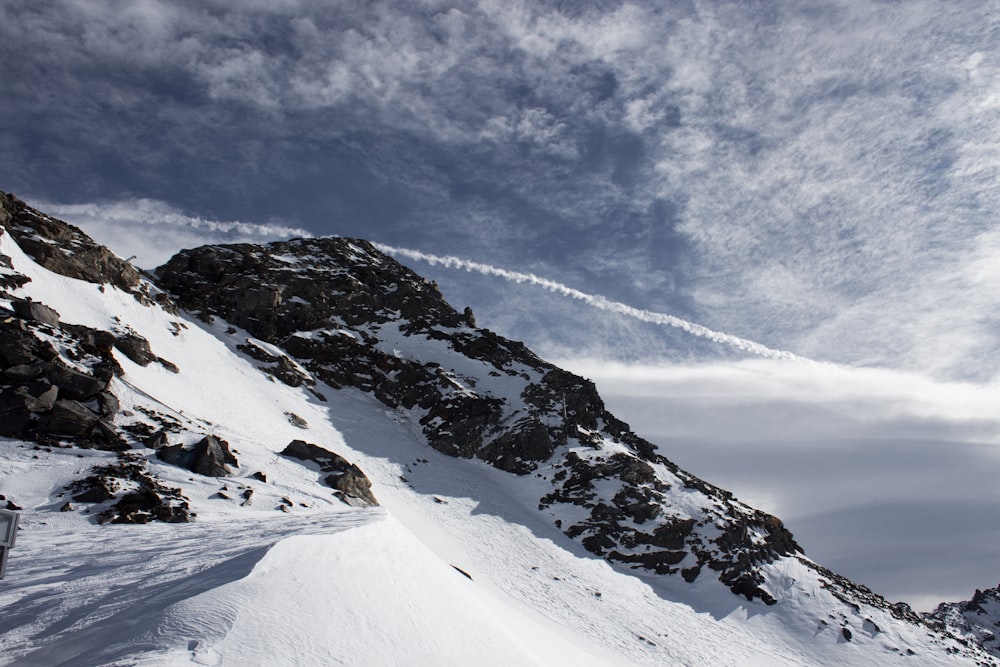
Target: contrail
[(157, 213), (596, 301)]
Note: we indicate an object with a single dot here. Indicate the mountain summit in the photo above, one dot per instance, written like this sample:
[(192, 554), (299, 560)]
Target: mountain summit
[(319, 387)]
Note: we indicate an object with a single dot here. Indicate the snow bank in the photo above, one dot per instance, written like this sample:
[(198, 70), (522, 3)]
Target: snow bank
[(372, 595)]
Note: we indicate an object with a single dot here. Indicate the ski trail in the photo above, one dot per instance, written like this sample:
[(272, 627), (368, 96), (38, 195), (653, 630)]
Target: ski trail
[(596, 301)]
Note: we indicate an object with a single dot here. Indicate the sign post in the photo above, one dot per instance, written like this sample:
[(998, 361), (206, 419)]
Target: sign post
[(8, 534)]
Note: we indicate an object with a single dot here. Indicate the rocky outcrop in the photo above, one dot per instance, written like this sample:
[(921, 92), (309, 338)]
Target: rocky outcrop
[(210, 456), (976, 620), (46, 396), (348, 480), (146, 499), (340, 291), (63, 248), (346, 315)]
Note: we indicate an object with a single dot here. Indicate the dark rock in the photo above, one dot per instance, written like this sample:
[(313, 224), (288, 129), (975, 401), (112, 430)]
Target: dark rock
[(73, 384), (156, 440), (66, 507), (107, 404), (345, 477), (106, 437), (15, 419), (846, 632), (20, 347), (96, 490), (14, 507), (96, 342), (136, 348), (69, 418), (25, 372), (690, 573), (168, 365), (260, 476), (147, 500), (63, 248), (36, 312), (526, 441), (210, 456)]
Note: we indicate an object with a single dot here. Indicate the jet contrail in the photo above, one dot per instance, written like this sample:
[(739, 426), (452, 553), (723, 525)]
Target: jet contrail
[(595, 300)]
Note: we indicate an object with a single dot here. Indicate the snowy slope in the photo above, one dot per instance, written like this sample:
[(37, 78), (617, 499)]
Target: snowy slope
[(458, 566)]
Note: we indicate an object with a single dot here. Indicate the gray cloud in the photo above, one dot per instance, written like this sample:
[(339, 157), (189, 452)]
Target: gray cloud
[(821, 178), (886, 477)]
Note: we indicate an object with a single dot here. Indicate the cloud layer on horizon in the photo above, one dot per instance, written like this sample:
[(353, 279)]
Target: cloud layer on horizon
[(886, 477)]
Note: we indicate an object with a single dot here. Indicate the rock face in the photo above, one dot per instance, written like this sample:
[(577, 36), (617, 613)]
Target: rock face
[(349, 316), (63, 248), (352, 485), (45, 395), (976, 620)]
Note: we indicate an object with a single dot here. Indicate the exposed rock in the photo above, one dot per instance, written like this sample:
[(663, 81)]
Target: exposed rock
[(976, 620), (107, 404), (168, 365), (210, 456), (147, 500), (136, 348), (36, 312), (345, 477), (329, 302), (69, 418), (63, 248), (156, 440), (73, 384)]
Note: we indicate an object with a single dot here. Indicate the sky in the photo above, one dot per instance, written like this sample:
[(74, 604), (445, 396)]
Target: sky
[(819, 179)]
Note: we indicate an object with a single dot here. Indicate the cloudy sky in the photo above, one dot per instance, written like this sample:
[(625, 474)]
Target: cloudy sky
[(818, 179)]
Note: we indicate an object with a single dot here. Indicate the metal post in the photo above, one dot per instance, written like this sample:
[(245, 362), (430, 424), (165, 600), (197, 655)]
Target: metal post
[(8, 535)]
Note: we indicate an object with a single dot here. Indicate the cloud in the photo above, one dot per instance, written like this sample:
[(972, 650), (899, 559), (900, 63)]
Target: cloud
[(887, 477), (153, 231), (819, 178), (595, 301)]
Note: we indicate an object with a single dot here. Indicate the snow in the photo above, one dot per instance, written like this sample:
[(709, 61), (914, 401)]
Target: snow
[(328, 584)]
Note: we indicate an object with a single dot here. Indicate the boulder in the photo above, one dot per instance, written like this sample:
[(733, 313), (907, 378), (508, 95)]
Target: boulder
[(39, 397), (136, 348), (36, 312), (208, 457), (69, 418), (353, 485), (73, 384)]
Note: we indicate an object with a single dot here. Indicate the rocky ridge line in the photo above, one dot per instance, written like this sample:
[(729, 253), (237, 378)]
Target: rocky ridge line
[(56, 380)]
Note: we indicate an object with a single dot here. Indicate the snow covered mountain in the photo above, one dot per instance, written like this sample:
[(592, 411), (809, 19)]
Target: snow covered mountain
[(337, 467)]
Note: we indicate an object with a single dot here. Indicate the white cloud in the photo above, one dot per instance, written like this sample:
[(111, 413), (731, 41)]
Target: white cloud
[(152, 231), (595, 301)]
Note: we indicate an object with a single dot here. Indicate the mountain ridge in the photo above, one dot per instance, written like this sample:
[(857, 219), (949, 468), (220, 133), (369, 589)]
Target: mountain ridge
[(325, 314)]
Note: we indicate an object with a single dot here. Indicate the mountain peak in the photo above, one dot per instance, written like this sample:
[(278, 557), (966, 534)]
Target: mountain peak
[(332, 317)]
